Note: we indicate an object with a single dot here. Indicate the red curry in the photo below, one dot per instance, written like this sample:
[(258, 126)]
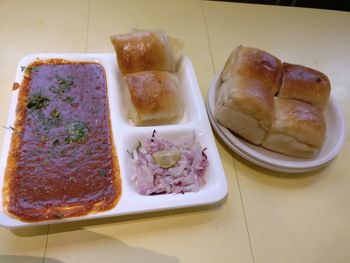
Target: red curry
[(62, 161)]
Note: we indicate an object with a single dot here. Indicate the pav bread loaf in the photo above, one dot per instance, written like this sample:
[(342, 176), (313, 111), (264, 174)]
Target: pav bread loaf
[(298, 129), (148, 61), (143, 51), (254, 63), (273, 104), (153, 98), (305, 84), (245, 106)]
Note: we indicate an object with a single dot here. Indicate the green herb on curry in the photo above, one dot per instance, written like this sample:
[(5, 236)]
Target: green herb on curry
[(56, 142), (77, 132), (37, 102), (68, 99), (29, 69), (55, 114), (102, 173)]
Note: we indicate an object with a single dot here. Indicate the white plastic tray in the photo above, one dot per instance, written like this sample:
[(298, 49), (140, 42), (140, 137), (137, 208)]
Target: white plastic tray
[(335, 138), (126, 135)]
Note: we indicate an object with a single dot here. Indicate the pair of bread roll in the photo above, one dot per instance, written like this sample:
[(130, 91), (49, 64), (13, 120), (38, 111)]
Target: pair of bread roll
[(245, 106), (147, 63), (251, 78), (273, 104)]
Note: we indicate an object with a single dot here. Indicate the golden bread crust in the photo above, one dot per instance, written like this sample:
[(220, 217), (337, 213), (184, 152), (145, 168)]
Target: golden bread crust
[(154, 96), (305, 84), (143, 51), (256, 64), (299, 129)]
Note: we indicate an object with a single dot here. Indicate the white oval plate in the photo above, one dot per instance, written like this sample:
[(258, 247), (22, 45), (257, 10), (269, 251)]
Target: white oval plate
[(335, 138)]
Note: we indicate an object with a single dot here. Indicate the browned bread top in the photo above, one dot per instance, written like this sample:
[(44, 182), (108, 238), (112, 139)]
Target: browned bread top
[(303, 121), (142, 51), (256, 64), (153, 92), (305, 84)]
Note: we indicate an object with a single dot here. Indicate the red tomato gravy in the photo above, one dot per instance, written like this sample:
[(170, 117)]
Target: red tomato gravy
[(62, 160)]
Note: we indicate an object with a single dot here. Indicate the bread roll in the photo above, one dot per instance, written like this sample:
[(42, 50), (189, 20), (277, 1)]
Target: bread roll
[(298, 129), (143, 51), (153, 98), (245, 106), (254, 63), (305, 84)]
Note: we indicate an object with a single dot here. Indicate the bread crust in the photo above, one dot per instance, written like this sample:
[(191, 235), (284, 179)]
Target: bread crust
[(249, 101), (153, 97), (305, 84), (143, 51), (274, 104), (254, 63), (298, 129)]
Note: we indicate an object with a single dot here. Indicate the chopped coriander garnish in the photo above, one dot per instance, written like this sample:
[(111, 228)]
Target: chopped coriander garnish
[(68, 99), (37, 102), (53, 89), (139, 145), (65, 82), (29, 69), (55, 113), (77, 132), (34, 69), (19, 133), (45, 123), (44, 138), (56, 142), (8, 128), (54, 122), (63, 151), (102, 173), (130, 153), (37, 168), (64, 85)]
